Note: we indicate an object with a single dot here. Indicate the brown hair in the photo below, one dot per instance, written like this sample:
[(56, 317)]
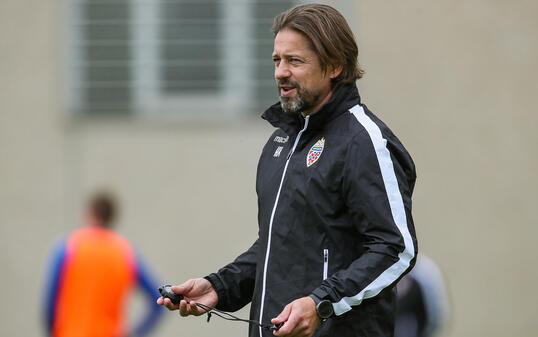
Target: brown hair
[(103, 207), (329, 35)]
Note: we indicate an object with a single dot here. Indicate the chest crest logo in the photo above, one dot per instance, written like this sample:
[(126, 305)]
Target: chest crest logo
[(315, 152)]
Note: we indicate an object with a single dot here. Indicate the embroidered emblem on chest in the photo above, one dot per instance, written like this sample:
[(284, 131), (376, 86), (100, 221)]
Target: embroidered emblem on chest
[(315, 152)]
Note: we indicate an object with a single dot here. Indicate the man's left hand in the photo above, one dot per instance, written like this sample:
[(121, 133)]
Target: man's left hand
[(300, 317)]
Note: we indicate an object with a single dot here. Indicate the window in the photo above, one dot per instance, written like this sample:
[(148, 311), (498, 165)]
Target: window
[(171, 57)]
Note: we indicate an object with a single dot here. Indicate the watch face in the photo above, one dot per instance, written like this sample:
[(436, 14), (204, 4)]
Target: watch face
[(325, 309)]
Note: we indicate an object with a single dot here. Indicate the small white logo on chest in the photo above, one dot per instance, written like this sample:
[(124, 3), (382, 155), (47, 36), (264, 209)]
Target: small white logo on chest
[(315, 152), (277, 151), (279, 139)]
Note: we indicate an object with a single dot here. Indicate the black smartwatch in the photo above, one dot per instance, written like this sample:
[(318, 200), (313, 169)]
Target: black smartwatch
[(324, 309)]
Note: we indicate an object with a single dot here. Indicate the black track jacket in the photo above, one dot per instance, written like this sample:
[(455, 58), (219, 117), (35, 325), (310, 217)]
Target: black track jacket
[(334, 196)]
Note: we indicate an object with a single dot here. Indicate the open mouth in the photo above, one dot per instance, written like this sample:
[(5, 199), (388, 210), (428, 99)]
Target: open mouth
[(287, 90)]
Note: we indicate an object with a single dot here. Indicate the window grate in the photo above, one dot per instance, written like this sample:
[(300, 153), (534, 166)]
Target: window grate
[(171, 57)]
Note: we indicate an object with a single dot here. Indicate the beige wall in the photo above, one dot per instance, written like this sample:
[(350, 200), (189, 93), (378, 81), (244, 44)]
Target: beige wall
[(454, 80), (31, 157)]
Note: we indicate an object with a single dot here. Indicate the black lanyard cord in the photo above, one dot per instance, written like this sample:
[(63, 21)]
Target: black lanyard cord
[(166, 292), (230, 317)]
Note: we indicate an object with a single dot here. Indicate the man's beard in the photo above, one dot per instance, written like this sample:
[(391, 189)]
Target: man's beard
[(304, 100)]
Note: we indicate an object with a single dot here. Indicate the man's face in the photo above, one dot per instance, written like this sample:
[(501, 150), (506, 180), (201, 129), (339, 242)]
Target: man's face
[(303, 86)]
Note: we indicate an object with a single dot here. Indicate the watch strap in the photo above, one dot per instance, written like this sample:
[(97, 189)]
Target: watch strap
[(315, 298)]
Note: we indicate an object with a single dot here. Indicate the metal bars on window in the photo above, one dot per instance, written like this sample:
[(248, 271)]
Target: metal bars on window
[(170, 56)]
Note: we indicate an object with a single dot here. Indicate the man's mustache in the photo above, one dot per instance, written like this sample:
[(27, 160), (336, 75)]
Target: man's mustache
[(286, 81)]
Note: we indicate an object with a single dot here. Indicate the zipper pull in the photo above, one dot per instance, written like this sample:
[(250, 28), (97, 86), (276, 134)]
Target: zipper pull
[(325, 263)]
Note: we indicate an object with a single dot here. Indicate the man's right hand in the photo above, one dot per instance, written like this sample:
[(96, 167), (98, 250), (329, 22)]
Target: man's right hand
[(197, 290)]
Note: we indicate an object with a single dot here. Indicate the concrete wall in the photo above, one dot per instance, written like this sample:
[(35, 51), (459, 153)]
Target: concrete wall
[(454, 79)]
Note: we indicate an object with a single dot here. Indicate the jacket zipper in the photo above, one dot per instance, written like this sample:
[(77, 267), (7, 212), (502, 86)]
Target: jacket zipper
[(325, 263), (262, 302)]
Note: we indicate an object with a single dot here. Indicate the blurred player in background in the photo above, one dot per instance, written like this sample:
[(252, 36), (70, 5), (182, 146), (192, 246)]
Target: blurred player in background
[(92, 273), (423, 305)]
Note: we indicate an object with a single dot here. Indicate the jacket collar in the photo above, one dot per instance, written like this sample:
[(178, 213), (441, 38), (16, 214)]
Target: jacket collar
[(343, 98)]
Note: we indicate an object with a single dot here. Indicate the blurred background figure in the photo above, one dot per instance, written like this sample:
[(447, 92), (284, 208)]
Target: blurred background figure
[(92, 272), (422, 301)]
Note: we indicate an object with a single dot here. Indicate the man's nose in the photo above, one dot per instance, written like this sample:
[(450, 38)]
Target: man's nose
[(282, 70)]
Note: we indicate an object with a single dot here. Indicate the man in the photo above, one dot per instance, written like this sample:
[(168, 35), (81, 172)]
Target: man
[(91, 276), (334, 192)]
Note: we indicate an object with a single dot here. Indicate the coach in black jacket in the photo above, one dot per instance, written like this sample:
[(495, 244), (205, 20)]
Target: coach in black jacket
[(334, 192)]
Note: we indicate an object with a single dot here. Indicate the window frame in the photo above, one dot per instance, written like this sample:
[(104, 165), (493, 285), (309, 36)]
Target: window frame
[(234, 96)]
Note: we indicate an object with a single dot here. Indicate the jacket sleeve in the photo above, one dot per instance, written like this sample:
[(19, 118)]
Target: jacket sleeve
[(377, 190), (234, 283), (56, 265), (148, 284)]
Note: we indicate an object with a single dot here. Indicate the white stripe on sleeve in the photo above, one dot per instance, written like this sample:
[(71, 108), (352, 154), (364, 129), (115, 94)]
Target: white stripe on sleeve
[(398, 214)]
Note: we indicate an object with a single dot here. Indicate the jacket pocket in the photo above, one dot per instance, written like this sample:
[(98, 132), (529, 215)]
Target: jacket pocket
[(325, 263)]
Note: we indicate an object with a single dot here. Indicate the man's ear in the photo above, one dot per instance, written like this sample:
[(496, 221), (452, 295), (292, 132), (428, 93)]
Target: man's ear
[(335, 71)]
